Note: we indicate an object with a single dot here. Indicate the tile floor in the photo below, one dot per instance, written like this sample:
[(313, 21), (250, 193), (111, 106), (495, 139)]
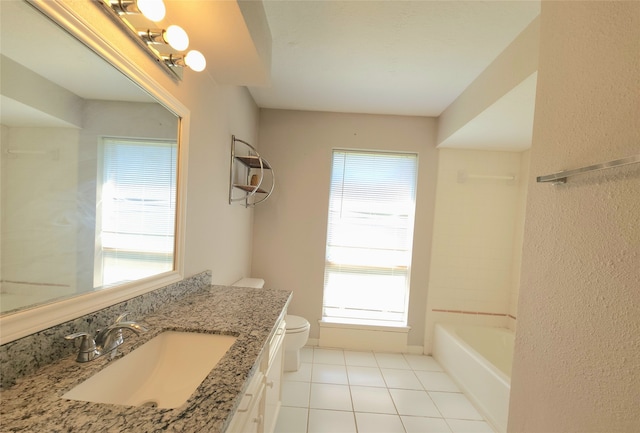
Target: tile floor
[(341, 391)]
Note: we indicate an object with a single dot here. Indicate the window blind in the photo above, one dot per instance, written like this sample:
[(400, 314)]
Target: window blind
[(138, 208), (369, 236)]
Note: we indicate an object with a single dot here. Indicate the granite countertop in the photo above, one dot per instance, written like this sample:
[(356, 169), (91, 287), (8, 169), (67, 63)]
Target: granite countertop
[(34, 403)]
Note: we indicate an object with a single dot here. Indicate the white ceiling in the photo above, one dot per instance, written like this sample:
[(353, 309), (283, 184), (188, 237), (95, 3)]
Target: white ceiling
[(384, 57)]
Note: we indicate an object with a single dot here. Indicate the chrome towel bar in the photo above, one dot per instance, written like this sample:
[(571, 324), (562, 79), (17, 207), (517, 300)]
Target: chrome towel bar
[(562, 176)]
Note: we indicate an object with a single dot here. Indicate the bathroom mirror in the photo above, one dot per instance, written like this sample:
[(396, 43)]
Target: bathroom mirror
[(92, 172)]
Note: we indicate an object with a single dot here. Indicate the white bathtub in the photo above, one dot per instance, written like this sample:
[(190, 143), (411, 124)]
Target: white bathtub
[(479, 360)]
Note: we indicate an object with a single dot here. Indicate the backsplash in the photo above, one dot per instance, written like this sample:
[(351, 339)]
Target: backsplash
[(25, 355)]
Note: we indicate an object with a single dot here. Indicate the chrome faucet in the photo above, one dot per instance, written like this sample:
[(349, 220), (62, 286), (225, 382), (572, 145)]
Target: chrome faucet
[(107, 340)]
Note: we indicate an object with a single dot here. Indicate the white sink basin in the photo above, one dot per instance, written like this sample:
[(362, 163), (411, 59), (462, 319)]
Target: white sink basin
[(163, 372)]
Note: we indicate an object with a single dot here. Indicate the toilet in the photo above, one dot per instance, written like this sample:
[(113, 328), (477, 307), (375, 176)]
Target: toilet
[(297, 329)]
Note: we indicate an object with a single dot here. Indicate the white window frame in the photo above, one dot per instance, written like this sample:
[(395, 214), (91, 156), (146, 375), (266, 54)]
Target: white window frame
[(376, 221)]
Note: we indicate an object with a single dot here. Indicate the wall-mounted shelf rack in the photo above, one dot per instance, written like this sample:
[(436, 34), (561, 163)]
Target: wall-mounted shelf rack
[(561, 177), (247, 175)]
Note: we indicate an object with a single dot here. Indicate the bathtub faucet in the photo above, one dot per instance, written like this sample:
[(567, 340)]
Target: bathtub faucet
[(107, 340)]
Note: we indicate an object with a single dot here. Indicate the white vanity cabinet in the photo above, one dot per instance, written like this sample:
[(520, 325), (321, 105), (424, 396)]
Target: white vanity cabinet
[(260, 405)]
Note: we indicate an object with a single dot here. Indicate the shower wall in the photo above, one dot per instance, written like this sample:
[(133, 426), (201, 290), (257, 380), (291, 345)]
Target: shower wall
[(476, 250)]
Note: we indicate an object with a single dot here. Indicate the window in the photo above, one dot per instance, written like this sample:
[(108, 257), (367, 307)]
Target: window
[(136, 210), (369, 237)]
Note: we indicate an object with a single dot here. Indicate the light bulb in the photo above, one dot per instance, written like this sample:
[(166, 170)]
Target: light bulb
[(195, 60), (176, 37), (153, 10)]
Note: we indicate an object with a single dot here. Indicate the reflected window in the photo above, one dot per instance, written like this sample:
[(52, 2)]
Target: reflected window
[(136, 209)]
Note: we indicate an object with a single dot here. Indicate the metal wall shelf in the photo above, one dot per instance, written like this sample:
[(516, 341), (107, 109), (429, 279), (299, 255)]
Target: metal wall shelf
[(247, 175), (561, 177), (253, 161)]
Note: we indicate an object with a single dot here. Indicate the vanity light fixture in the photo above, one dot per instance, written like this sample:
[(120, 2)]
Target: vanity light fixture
[(174, 36), (193, 59), (153, 10), (164, 45)]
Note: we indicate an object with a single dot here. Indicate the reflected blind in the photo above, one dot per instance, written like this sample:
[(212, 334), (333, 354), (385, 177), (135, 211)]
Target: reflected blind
[(369, 236), (138, 192)]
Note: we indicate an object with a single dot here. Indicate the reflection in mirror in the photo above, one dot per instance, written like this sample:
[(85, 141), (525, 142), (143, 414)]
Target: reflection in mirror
[(88, 168)]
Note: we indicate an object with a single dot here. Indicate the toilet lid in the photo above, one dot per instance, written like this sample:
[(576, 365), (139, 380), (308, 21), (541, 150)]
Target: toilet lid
[(296, 322)]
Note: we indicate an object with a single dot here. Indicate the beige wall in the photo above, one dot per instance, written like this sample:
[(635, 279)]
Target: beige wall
[(476, 230), (218, 235), (290, 227), (577, 364)]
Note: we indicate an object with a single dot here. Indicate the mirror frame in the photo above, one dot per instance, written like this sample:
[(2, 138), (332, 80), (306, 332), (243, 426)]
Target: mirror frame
[(22, 323)]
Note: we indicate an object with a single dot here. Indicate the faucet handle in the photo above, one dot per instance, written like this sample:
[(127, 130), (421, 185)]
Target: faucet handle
[(88, 350), (86, 344)]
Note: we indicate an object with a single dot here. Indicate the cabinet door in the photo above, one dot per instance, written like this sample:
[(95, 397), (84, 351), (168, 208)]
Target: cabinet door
[(248, 418), (255, 420), (273, 381)]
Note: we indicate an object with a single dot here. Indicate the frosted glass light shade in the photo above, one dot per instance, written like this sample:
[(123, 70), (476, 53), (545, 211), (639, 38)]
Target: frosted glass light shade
[(154, 10), (195, 60), (176, 37)]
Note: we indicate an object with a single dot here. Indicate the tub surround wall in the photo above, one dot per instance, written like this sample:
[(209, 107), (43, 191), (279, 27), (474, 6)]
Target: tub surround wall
[(576, 365), (34, 403), (521, 207), (475, 251), (290, 228), (22, 357)]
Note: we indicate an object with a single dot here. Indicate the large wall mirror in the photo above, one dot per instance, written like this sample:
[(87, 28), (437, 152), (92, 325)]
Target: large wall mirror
[(92, 172)]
